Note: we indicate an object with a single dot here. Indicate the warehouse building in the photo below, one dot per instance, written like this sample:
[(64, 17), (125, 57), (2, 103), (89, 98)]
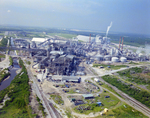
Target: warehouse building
[(88, 96)]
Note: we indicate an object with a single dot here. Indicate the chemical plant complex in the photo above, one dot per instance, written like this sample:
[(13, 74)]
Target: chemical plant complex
[(70, 75), (63, 57)]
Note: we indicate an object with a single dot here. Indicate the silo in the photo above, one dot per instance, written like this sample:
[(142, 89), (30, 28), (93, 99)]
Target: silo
[(123, 59), (114, 59)]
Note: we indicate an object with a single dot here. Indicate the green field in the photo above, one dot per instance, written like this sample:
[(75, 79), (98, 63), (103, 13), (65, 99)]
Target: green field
[(122, 111), (114, 67)]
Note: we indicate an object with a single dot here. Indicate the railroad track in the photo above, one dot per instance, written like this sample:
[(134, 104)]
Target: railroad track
[(53, 113), (139, 105), (132, 101)]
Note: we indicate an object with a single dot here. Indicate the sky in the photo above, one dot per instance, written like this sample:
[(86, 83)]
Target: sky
[(128, 16)]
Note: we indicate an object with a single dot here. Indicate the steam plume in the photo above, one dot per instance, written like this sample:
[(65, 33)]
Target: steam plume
[(108, 28)]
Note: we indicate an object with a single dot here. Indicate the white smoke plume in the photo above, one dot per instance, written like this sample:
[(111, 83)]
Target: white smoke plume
[(139, 50), (108, 28)]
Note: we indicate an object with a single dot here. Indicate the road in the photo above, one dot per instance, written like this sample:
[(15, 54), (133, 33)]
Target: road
[(5, 63), (51, 111), (127, 99)]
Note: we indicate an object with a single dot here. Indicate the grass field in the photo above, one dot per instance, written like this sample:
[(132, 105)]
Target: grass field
[(123, 111), (2, 56)]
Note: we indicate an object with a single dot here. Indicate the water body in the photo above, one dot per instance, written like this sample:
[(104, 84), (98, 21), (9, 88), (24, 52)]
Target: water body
[(7, 82)]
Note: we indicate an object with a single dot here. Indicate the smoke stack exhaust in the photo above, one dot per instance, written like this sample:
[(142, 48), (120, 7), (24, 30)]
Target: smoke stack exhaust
[(108, 28)]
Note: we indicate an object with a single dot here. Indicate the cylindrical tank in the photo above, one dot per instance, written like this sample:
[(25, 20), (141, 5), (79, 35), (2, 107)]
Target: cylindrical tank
[(107, 57), (141, 55), (123, 59), (114, 59)]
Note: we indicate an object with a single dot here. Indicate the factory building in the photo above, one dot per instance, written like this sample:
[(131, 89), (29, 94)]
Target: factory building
[(88, 96)]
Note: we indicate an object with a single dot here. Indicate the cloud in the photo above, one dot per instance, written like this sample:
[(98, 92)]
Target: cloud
[(8, 11)]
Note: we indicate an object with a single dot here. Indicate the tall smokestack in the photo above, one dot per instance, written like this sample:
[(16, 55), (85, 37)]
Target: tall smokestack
[(122, 43), (119, 43)]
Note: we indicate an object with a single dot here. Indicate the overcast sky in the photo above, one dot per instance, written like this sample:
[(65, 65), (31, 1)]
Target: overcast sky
[(132, 16)]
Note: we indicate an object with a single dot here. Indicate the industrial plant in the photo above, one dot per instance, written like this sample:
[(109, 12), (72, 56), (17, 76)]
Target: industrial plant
[(63, 57)]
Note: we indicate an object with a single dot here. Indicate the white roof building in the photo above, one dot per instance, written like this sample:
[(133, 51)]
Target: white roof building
[(39, 39)]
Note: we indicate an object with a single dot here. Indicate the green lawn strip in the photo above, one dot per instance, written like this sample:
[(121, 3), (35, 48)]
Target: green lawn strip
[(18, 92), (110, 89), (11, 61), (57, 99), (115, 67), (131, 62), (139, 94)]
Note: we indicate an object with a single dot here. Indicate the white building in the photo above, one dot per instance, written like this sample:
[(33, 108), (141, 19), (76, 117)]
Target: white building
[(96, 79)]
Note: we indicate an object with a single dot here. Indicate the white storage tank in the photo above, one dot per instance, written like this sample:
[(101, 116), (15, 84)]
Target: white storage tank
[(114, 59), (123, 59)]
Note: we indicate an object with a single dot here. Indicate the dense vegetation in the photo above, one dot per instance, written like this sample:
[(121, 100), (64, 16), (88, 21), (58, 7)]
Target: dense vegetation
[(18, 92), (3, 42), (11, 61), (140, 95), (4, 74)]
